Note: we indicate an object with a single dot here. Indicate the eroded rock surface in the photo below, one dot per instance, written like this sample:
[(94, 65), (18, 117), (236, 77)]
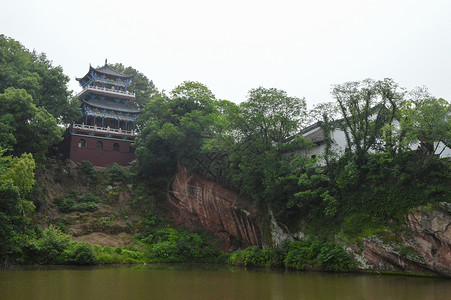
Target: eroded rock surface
[(197, 201), (425, 247)]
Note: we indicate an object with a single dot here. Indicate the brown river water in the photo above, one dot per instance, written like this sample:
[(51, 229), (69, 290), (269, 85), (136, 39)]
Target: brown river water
[(210, 282)]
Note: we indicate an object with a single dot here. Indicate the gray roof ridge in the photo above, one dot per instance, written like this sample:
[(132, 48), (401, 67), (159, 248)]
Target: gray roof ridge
[(111, 71), (112, 106)]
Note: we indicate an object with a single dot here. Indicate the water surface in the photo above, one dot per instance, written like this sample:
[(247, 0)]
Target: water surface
[(209, 282)]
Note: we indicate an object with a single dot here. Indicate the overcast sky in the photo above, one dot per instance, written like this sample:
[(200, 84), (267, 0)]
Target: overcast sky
[(302, 47)]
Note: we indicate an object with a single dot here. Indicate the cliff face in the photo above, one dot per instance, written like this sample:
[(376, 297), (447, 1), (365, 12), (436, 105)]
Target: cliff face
[(425, 247), (193, 200), (422, 246)]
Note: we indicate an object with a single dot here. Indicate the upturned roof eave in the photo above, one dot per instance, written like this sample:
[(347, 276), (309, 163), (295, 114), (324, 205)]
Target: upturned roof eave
[(111, 72), (99, 70), (121, 109)]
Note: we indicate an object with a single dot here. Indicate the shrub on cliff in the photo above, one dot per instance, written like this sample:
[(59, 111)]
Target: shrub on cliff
[(302, 254), (81, 254), (311, 253), (169, 245), (108, 255), (81, 203), (87, 168), (255, 256), (54, 247), (308, 254), (333, 258), (116, 173)]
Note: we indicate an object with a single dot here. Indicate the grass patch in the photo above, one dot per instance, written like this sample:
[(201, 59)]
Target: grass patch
[(127, 255), (75, 202)]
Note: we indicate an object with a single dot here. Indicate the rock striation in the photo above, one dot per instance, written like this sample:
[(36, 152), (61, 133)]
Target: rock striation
[(423, 247), (194, 200)]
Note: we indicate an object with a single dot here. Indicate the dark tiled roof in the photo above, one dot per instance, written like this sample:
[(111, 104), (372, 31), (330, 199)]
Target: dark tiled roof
[(311, 127), (316, 136), (314, 132), (105, 70), (111, 105), (108, 71)]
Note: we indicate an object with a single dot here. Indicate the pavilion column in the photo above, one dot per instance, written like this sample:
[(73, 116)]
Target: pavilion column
[(103, 122)]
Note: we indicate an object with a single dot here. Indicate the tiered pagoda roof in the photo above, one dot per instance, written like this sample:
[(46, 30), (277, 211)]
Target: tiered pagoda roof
[(113, 105), (105, 94), (105, 133), (105, 70)]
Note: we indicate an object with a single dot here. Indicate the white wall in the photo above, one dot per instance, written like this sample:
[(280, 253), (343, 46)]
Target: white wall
[(339, 146)]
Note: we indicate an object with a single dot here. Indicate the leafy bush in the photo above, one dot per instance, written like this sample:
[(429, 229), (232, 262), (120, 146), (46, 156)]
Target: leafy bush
[(302, 254), (65, 205), (87, 168), (332, 258), (309, 253), (81, 254), (255, 256), (84, 207), (171, 246), (86, 198), (360, 224), (108, 255), (116, 173), (81, 203), (52, 246)]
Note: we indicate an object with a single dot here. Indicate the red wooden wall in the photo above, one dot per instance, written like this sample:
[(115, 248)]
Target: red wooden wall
[(100, 158)]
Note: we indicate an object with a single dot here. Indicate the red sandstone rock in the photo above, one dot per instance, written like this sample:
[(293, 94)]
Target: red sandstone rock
[(426, 248), (428, 245), (197, 201)]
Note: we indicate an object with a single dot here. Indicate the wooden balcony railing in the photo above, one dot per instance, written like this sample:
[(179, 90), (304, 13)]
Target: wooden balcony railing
[(105, 129)]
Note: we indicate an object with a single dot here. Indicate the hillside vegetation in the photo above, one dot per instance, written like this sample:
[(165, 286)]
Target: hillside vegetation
[(370, 187)]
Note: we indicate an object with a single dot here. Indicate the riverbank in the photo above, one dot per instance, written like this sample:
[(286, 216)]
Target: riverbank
[(89, 216)]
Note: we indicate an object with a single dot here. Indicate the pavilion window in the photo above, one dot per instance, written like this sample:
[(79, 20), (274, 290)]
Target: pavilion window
[(116, 147), (99, 145), (81, 143)]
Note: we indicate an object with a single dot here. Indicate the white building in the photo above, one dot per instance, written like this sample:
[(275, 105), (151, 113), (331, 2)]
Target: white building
[(338, 142)]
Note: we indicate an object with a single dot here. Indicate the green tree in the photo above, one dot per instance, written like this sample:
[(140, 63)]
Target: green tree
[(47, 85), (175, 127), (26, 128), (271, 116), (366, 107), (259, 144), (143, 88), (426, 120), (16, 180)]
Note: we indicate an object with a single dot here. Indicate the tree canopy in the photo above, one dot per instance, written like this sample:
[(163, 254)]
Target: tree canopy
[(426, 120), (16, 181), (26, 128), (366, 107), (143, 88), (33, 72), (271, 116), (174, 127)]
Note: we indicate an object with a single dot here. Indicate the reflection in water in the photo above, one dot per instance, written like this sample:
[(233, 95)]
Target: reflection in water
[(210, 282)]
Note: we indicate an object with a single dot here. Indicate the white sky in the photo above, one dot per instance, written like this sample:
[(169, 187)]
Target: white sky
[(302, 47)]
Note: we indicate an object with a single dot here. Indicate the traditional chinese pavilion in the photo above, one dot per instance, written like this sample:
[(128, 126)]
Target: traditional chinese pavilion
[(107, 129)]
